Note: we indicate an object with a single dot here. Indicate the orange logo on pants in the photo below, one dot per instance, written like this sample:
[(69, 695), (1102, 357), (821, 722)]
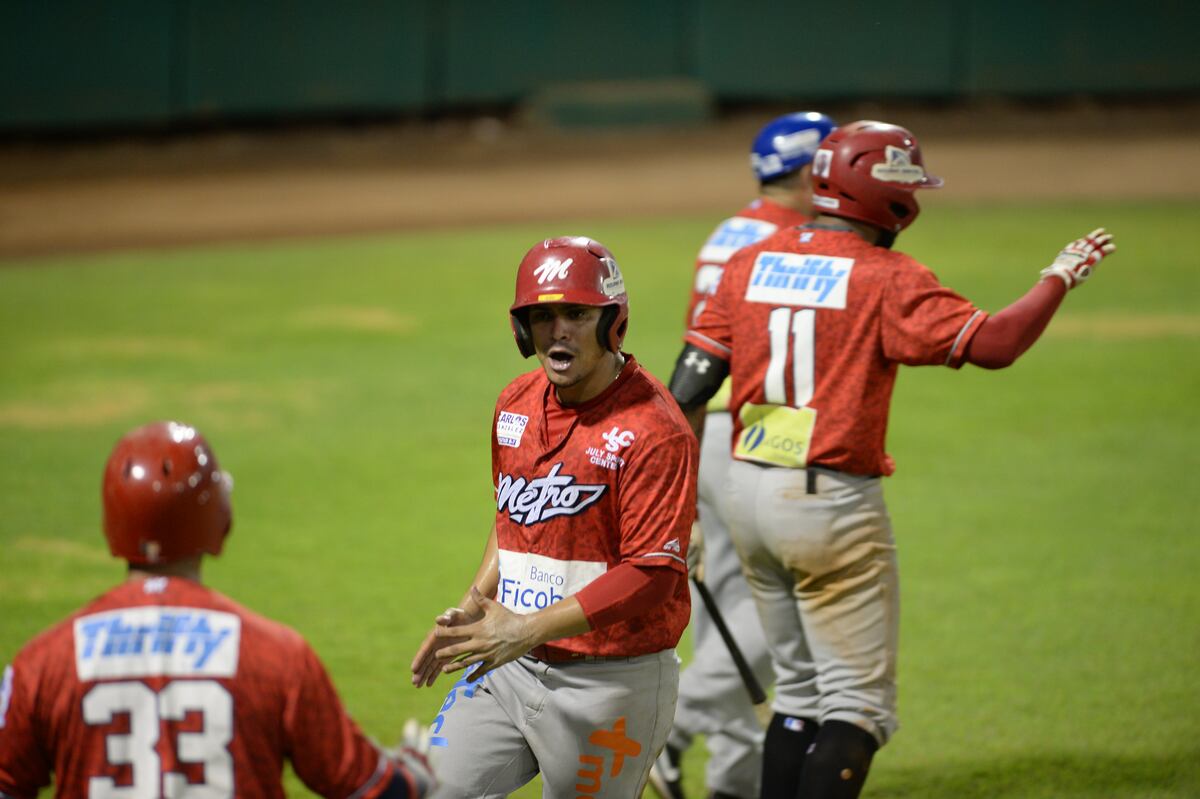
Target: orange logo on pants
[(592, 774)]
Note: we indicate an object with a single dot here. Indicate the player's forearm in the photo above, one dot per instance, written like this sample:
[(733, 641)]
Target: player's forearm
[(563, 619), (487, 576), (1006, 335)]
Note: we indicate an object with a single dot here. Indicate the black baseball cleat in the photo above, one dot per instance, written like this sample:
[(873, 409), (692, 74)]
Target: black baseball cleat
[(665, 777)]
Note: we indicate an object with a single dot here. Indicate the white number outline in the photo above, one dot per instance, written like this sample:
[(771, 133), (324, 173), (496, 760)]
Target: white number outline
[(802, 325), (147, 710)]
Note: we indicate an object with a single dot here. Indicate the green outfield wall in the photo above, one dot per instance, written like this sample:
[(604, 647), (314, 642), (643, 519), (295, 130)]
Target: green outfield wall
[(89, 64)]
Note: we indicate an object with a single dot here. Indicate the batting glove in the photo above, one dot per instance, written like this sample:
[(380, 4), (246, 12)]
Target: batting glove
[(1077, 260), (411, 753)]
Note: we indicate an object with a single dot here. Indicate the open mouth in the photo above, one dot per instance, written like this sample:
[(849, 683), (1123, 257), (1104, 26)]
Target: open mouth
[(560, 359)]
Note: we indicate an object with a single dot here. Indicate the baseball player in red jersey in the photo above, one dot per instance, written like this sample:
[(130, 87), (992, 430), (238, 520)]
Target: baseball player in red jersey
[(162, 687), (712, 698), (575, 610), (813, 324)]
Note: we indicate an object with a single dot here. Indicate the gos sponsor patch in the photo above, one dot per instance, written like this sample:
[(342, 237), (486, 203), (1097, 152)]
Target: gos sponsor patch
[(157, 641), (531, 582), (814, 281), (775, 434), (510, 427)]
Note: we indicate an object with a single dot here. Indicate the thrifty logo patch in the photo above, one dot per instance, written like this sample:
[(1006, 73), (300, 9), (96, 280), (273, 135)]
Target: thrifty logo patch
[(814, 281)]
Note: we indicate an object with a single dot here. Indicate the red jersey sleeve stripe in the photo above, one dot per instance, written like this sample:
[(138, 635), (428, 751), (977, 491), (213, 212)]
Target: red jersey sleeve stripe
[(711, 346), (958, 350), (668, 555)]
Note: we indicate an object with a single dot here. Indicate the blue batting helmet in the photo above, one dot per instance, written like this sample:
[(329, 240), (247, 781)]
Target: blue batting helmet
[(788, 142)]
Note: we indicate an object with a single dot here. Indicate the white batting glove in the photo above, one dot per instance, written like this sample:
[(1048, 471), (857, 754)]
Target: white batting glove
[(1077, 260), (411, 753)]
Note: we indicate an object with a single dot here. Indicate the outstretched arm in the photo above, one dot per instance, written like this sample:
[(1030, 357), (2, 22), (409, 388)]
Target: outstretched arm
[(1006, 335)]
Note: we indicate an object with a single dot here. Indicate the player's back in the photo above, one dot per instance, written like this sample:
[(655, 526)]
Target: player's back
[(757, 221), (817, 321), (162, 684)]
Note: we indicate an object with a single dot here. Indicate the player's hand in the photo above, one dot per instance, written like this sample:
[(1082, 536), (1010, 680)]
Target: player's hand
[(1079, 258), (426, 665), (695, 553), (499, 637), (412, 755)]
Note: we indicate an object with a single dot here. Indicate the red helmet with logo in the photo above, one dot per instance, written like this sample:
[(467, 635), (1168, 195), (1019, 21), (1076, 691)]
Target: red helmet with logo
[(576, 270), (165, 497), (870, 171)]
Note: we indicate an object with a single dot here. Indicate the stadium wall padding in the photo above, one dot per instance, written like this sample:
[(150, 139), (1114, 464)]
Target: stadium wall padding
[(82, 65)]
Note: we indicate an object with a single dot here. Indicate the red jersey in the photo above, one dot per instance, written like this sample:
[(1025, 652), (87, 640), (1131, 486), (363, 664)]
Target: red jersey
[(755, 222), (814, 322), (162, 687), (583, 488)]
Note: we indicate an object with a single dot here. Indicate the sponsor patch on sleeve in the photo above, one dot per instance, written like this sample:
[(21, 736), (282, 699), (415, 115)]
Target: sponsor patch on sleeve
[(814, 281), (157, 641), (510, 427), (531, 582)]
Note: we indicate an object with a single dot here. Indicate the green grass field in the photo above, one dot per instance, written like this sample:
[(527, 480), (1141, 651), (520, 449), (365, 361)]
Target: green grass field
[(1046, 515)]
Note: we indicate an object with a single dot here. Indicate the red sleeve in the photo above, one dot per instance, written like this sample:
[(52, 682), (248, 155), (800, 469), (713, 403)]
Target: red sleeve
[(1006, 335), (626, 592), (923, 322), (658, 502), (328, 751), (24, 764)]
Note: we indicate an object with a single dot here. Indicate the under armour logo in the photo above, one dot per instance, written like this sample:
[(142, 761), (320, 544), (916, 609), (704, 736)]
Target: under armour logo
[(697, 362), (552, 269)]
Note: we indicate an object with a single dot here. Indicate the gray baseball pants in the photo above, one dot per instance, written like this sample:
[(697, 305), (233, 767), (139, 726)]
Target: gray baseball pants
[(712, 697), (822, 568), (591, 728)]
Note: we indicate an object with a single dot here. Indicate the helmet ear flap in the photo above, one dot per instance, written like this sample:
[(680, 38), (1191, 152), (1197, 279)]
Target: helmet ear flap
[(520, 328), (608, 337)]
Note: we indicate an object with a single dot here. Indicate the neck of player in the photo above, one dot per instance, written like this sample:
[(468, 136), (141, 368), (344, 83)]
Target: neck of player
[(868, 232), (607, 370), (186, 568)]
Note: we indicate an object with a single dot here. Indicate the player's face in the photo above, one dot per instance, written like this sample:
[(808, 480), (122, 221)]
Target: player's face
[(564, 337)]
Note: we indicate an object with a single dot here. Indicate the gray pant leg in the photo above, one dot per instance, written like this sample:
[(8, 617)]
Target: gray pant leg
[(712, 697), (477, 745), (824, 574), (603, 724)]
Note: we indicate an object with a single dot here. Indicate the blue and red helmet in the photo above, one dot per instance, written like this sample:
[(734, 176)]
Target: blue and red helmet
[(788, 142)]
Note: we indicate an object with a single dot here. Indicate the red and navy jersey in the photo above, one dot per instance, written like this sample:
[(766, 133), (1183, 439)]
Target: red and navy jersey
[(583, 488), (752, 224), (161, 684), (814, 323)]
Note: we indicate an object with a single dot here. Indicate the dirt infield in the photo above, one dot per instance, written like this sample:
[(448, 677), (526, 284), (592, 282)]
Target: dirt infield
[(171, 191)]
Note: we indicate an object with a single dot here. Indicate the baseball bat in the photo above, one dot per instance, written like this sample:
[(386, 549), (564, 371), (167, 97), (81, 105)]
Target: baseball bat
[(757, 694)]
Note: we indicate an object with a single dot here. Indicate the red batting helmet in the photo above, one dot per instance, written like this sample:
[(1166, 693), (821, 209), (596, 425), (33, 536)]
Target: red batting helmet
[(571, 269), (165, 497), (870, 171)]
